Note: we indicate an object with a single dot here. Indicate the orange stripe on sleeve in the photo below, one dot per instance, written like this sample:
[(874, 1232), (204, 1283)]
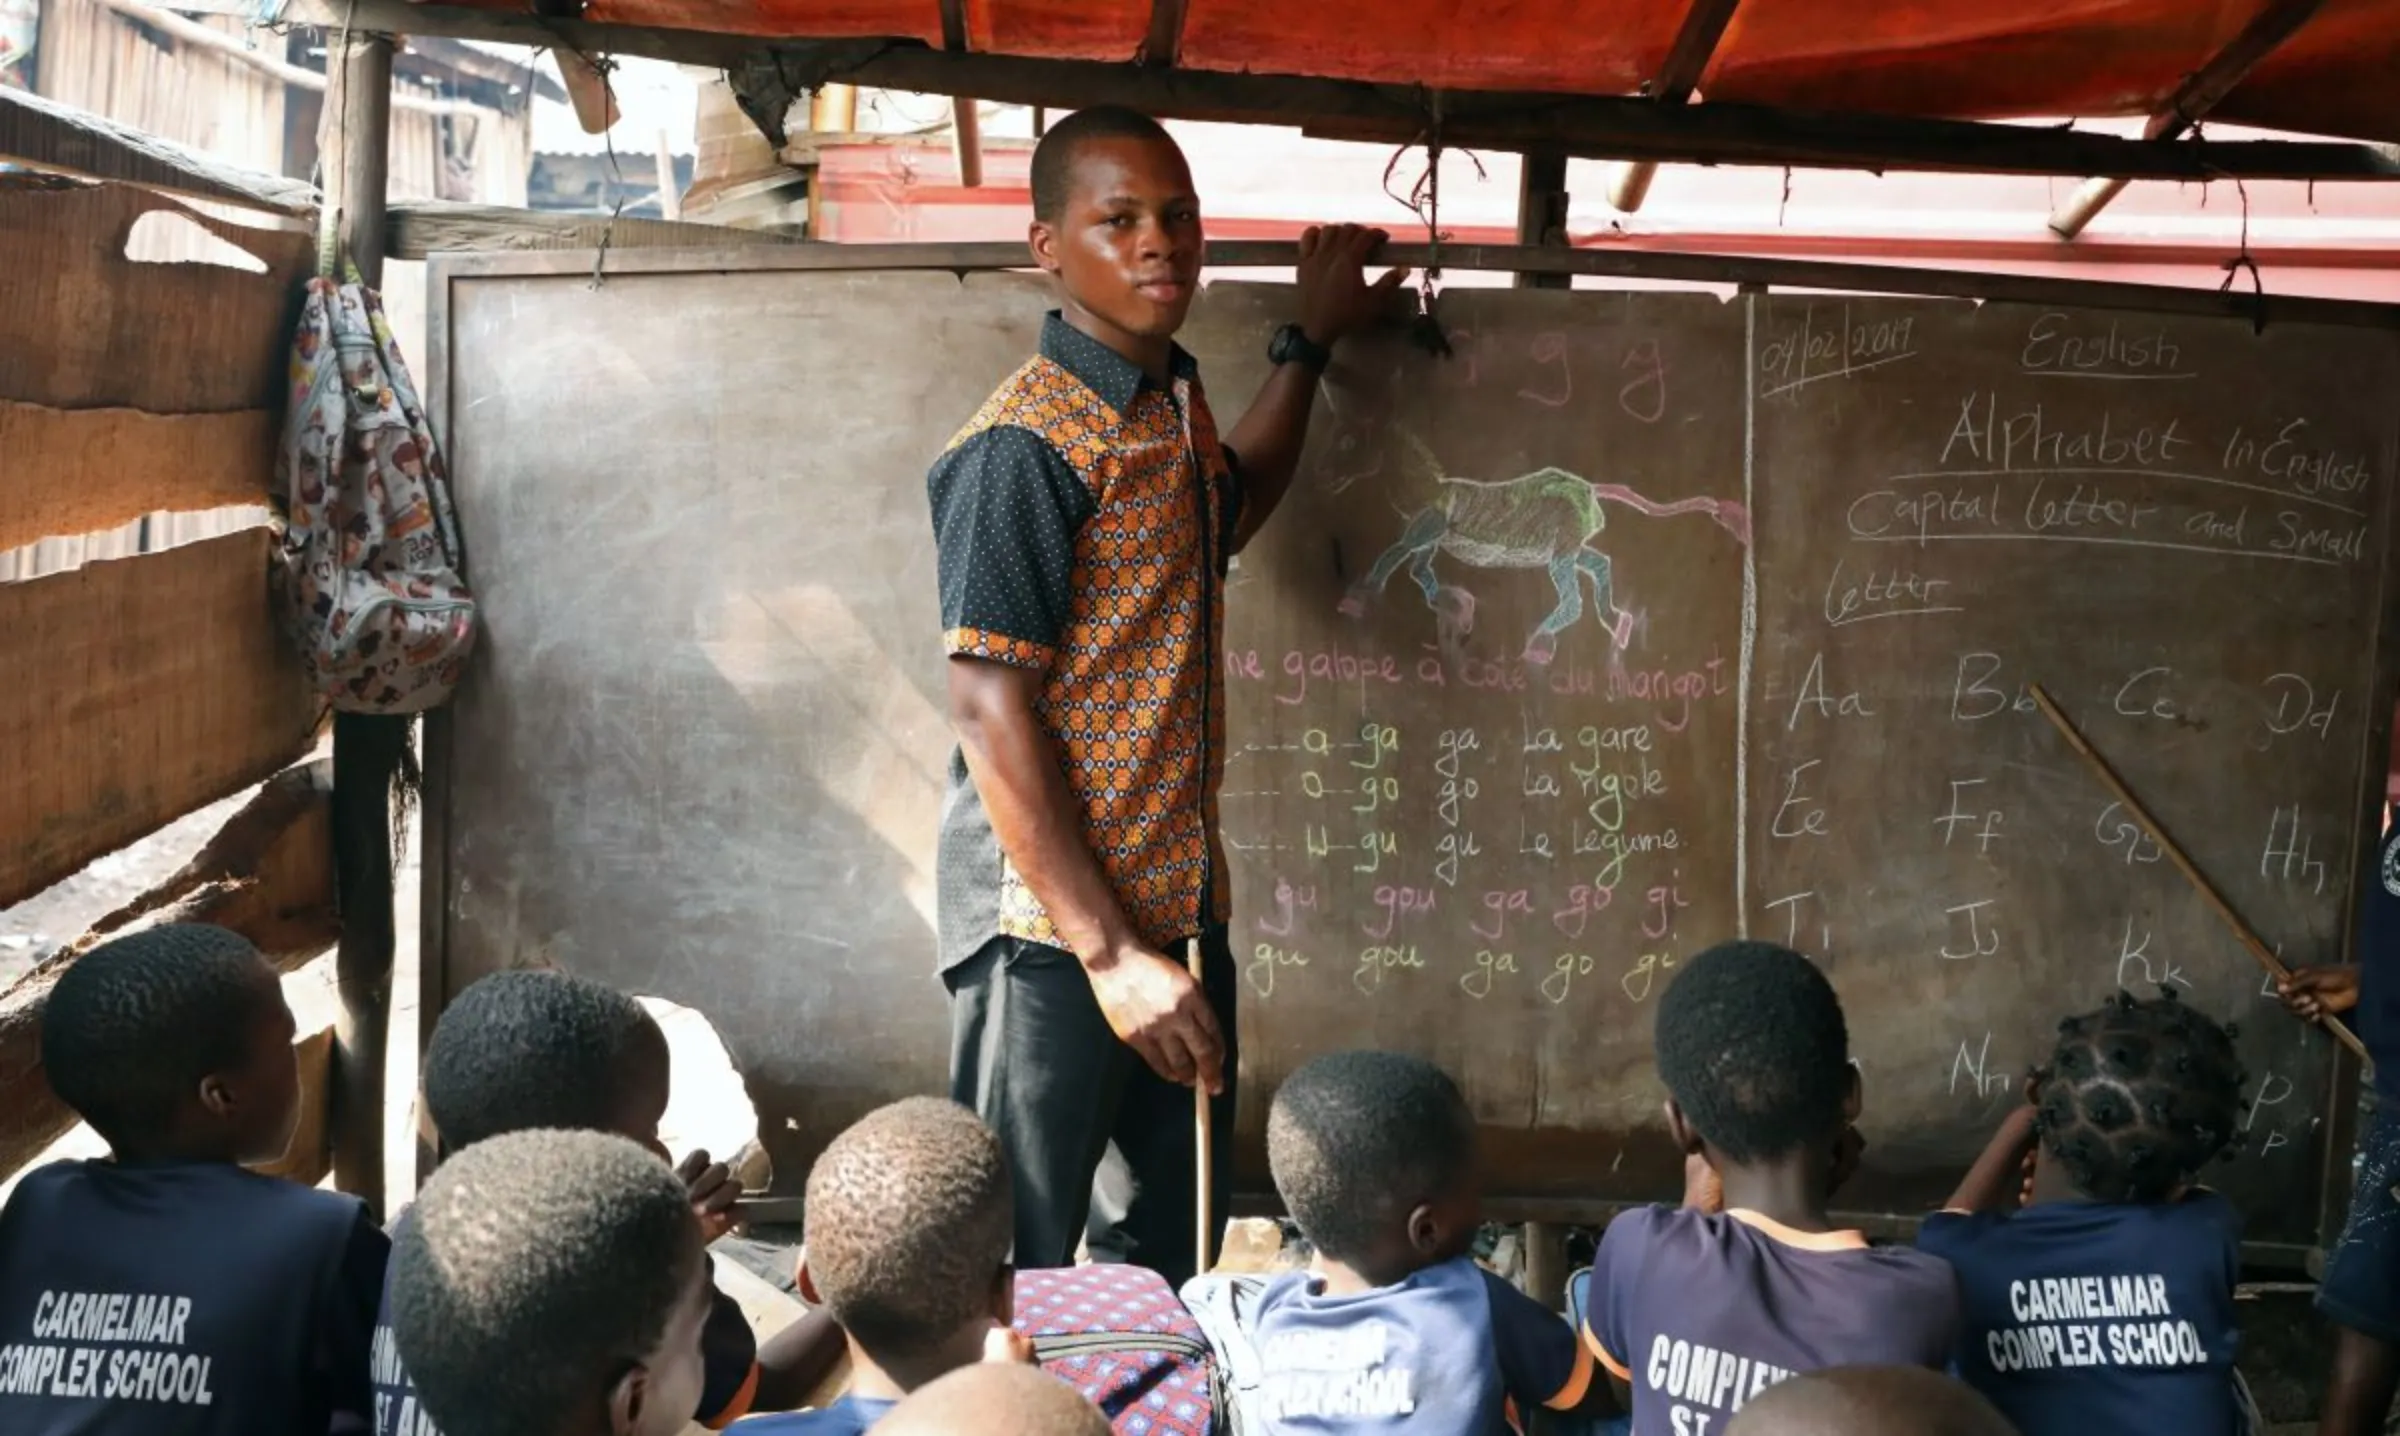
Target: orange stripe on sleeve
[(739, 1406), (1614, 1367), (1579, 1381)]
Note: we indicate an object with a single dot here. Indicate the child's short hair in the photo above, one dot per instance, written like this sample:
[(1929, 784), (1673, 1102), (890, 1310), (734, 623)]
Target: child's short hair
[(1054, 157), (1356, 1140), (134, 1025), (1869, 1401), (532, 1266), (995, 1399), (1753, 1047), (910, 1218), (524, 1049), (2139, 1096)]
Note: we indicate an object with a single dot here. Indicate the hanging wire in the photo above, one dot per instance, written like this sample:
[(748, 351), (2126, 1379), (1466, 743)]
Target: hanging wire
[(1424, 200), (2244, 262)]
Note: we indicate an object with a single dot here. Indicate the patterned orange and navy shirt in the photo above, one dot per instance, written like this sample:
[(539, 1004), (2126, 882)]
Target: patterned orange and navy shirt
[(1084, 518)]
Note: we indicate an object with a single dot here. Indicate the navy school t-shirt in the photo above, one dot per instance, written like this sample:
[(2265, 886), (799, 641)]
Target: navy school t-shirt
[(2377, 1018), (2099, 1318), (1450, 1351), (184, 1299), (728, 1353), (1699, 1313)]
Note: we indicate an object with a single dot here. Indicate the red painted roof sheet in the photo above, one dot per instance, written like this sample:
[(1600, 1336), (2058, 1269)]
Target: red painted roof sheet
[(1946, 58)]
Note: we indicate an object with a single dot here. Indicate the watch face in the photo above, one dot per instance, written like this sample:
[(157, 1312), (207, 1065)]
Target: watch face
[(2391, 868)]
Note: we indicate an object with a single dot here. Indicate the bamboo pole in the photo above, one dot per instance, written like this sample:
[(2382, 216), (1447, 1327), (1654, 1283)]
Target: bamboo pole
[(2258, 949)]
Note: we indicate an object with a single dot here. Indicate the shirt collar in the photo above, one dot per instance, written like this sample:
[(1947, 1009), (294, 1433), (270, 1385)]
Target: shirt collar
[(1112, 376)]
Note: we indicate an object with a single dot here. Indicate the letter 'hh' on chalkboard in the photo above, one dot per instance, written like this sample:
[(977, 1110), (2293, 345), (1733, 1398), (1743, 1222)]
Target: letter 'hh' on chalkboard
[(1641, 621)]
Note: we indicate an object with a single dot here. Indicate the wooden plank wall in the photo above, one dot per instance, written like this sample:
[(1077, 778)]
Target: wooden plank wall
[(140, 405)]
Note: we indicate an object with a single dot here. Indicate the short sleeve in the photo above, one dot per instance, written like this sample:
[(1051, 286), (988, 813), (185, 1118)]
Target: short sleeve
[(1541, 1361), (1948, 1234), (346, 1332), (1006, 509), (1608, 1309), (729, 1364)]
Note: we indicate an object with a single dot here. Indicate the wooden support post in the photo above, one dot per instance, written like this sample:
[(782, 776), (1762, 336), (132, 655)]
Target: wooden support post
[(1703, 26), (2200, 92), (966, 124), (670, 198), (367, 749), (1542, 212), (833, 110), (1546, 1263)]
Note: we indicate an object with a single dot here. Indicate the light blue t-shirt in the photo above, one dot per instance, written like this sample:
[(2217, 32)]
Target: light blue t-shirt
[(1447, 1352)]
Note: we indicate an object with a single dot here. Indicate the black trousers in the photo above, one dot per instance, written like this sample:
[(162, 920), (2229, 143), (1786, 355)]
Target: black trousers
[(1100, 1146)]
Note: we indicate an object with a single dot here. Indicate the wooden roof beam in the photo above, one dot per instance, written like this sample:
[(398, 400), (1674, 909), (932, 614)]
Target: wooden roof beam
[(1703, 28), (1163, 44), (2200, 93), (51, 136), (1604, 127)]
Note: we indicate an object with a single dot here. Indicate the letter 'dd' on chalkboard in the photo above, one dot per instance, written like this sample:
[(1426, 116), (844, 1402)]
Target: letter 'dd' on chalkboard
[(1641, 621)]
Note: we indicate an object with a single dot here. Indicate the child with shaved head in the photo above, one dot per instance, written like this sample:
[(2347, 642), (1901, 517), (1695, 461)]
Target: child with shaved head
[(1870, 1401), (910, 1216), (553, 1284), (995, 1400)]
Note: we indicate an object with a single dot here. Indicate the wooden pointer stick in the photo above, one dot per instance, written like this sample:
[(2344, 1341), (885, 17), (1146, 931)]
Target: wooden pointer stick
[(1204, 1124), (2258, 949)]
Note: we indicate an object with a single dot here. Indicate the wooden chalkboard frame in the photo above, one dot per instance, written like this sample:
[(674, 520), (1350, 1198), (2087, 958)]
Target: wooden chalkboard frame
[(1745, 274)]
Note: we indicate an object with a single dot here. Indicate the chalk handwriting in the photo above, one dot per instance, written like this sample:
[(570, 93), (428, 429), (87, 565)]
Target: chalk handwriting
[(1791, 931), (1972, 696), (1815, 695), (2289, 851), (1989, 819), (2144, 696), (1265, 960), (1551, 348), (2295, 709), (1974, 1066), (1979, 940), (1396, 903), (1477, 981), (2131, 954), (1289, 902), (1561, 981), (2054, 349), (1374, 962), (1810, 818), (1643, 395), (1898, 593), (1641, 979), (1826, 348), (2120, 833)]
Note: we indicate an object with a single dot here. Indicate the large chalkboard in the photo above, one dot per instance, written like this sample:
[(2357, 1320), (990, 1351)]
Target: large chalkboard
[(1639, 621)]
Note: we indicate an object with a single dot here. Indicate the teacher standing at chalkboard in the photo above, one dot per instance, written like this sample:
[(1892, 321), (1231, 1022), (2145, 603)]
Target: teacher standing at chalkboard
[(1085, 518)]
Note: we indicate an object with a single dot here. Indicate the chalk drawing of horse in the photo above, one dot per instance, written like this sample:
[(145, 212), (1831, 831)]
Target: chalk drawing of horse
[(1547, 520)]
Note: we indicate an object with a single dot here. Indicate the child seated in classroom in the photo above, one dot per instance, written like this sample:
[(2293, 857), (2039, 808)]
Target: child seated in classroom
[(995, 1400), (524, 1050), (910, 1217), (2105, 1306), (1393, 1327), (552, 1283), (1870, 1401), (1694, 1312), (164, 1290)]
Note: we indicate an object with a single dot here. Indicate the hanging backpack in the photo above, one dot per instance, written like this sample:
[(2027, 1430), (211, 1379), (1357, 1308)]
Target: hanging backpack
[(1119, 1335), (367, 568)]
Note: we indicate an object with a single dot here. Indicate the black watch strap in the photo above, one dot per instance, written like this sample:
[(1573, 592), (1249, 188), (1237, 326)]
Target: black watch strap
[(1292, 345)]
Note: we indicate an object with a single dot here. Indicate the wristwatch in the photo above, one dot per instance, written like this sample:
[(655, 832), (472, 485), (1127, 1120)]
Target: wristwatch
[(1291, 345)]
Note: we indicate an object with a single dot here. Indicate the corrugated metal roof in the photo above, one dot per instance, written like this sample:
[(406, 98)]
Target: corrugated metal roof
[(1933, 58)]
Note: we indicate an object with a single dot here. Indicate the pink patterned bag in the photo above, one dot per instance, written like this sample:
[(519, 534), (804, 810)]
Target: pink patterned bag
[(367, 568)]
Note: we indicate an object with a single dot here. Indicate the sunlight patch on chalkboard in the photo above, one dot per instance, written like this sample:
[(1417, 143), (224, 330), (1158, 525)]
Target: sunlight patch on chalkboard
[(804, 648)]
